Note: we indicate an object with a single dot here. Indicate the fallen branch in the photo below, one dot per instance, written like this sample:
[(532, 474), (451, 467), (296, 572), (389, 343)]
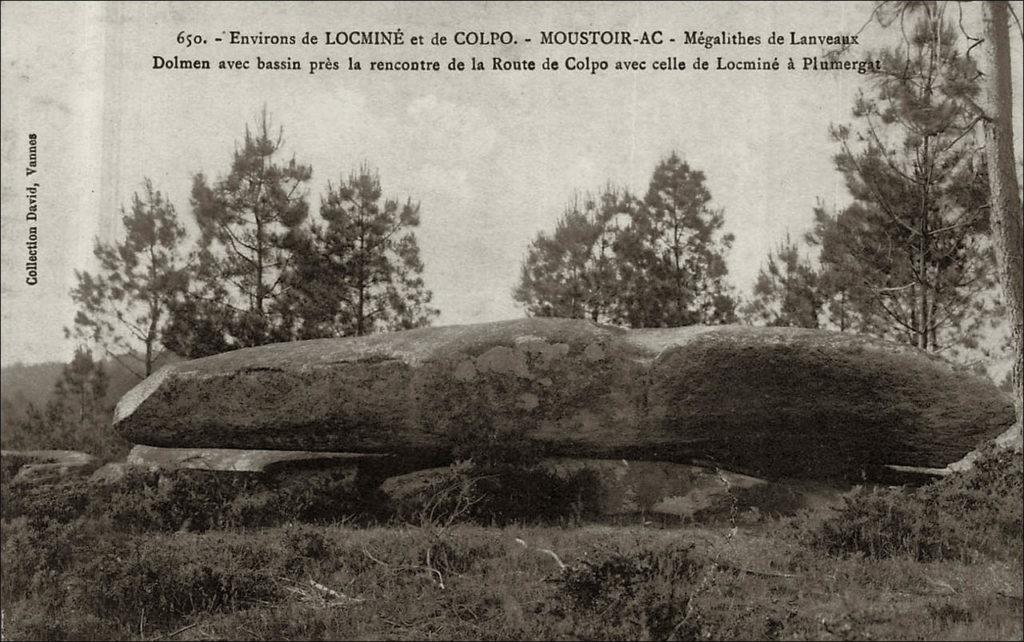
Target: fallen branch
[(561, 565), (321, 594), (411, 567), (944, 587), (547, 551), (370, 555), (750, 571), (430, 567), (181, 630)]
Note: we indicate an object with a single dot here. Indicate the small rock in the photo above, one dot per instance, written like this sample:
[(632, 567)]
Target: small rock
[(110, 473)]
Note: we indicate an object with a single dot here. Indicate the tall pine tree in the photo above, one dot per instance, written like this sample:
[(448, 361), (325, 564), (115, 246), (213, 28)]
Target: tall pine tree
[(672, 256), (916, 235), (1007, 218), (123, 308), (572, 273), (360, 272), (250, 223), (658, 262)]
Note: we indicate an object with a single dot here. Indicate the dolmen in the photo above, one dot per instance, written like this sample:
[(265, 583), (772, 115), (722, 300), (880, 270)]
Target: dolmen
[(765, 402)]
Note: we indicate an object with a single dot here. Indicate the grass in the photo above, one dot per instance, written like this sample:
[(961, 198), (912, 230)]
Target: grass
[(472, 582), (853, 573)]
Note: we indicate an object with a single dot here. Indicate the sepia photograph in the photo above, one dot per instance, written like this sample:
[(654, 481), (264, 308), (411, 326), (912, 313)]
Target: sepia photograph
[(496, 320)]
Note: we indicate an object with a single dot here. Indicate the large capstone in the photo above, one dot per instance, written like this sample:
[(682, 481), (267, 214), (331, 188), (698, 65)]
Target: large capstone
[(768, 402)]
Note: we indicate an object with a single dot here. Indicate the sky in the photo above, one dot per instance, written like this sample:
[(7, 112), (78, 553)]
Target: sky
[(492, 157)]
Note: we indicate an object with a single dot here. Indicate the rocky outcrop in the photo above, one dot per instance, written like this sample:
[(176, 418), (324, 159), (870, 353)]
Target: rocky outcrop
[(770, 402), (46, 466)]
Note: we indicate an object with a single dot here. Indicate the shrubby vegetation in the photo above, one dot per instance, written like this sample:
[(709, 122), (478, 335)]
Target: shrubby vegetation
[(499, 479), (966, 516), (319, 557), (198, 500), (642, 594)]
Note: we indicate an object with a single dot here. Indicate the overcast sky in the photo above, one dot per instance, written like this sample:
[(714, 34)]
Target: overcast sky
[(491, 156)]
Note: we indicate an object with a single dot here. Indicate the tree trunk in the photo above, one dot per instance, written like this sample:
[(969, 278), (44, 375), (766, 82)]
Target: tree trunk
[(1005, 210), (922, 259), (154, 313), (915, 327), (259, 265), (360, 330)]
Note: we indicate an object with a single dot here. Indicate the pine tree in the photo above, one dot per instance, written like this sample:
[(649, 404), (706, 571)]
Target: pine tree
[(79, 393), (672, 256), (360, 272), (125, 305), (1006, 216), (847, 302), (786, 291), (572, 273), (250, 222), (652, 263), (916, 235)]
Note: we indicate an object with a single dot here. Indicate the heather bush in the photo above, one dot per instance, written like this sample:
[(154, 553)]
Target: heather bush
[(167, 584), (202, 500), (83, 572), (498, 478), (964, 516), (198, 500), (60, 503), (511, 494), (37, 553), (9, 466), (635, 594)]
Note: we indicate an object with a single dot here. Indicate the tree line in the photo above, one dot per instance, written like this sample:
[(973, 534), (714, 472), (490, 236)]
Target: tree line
[(262, 269), (911, 258), (617, 258)]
